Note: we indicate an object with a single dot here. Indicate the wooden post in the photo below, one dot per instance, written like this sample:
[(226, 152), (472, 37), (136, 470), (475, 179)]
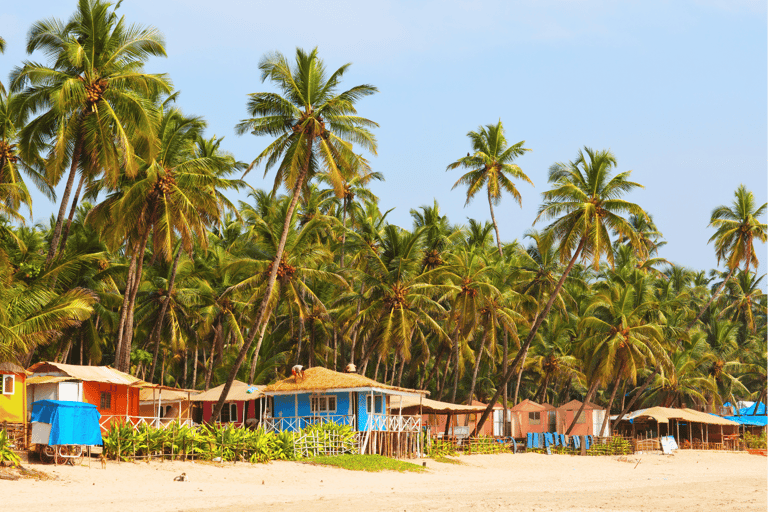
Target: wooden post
[(690, 433), (722, 441), (677, 424)]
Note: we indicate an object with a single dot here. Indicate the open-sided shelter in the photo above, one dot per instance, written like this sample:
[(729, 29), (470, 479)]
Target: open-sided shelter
[(690, 428), (323, 395), (114, 393), (438, 415), (243, 403), (588, 423), (165, 404)]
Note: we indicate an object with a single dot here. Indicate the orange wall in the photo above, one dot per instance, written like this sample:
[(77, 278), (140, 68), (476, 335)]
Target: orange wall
[(125, 399), (564, 419)]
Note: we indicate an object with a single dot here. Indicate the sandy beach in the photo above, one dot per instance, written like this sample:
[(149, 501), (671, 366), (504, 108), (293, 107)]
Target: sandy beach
[(689, 480)]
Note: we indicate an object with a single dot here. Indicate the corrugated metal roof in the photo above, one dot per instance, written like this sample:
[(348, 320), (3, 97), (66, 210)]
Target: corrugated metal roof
[(238, 391), (90, 373), (47, 379)]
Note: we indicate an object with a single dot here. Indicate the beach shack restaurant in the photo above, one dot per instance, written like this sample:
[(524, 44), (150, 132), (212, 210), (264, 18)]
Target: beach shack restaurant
[(323, 395)]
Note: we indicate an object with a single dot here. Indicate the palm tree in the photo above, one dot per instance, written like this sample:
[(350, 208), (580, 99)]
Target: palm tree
[(93, 98), (737, 227), (315, 129), (491, 166), (585, 203)]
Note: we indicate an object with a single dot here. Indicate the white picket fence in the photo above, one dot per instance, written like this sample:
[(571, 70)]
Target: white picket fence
[(314, 444)]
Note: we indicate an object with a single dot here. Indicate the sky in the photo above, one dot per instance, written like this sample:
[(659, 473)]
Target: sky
[(677, 90)]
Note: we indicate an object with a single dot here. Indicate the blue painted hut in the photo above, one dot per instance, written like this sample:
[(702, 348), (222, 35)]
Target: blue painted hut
[(323, 396)]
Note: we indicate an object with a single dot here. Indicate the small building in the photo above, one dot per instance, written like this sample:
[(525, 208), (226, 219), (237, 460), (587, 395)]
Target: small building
[(528, 416), (323, 395), (244, 405), (13, 417), (435, 415), (589, 422), (114, 393), (690, 428), (165, 404)]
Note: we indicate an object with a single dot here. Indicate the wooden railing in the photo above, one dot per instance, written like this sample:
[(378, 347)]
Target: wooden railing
[(295, 423), (136, 421)]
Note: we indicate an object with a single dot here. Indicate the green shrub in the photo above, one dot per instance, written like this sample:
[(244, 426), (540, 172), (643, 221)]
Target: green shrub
[(6, 452)]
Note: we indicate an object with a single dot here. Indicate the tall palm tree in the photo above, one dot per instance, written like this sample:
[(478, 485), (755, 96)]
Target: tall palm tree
[(737, 228), (315, 128), (91, 100), (491, 166), (586, 206)]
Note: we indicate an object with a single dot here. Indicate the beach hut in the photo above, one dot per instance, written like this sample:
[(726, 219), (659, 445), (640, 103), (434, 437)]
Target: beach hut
[(244, 403), (528, 416), (13, 417), (114, 393), (165, 404), (588, 423), (323, 395)]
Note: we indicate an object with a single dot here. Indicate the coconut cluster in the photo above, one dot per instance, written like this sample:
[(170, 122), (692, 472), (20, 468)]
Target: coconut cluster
[(94, 91), (8, 152), (165, 184)]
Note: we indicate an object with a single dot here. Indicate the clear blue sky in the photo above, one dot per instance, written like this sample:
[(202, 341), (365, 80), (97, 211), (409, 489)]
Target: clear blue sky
[(677, 90)]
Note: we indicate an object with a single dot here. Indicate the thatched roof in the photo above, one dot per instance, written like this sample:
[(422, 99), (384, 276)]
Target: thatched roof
[(239, 391), (103, 374), (323, 379), (433, 406), (664, 414), (11, 368)]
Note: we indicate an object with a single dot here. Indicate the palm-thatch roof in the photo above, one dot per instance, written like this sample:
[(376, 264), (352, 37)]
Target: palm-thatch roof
[(323, 379), (11, 368), (664, 414), (240, 391)]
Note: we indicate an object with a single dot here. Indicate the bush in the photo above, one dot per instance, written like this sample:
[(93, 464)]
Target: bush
[(755, 442), (6, 452)]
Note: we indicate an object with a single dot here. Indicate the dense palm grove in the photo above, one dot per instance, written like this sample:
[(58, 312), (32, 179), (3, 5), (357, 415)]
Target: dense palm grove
[(150, 268)]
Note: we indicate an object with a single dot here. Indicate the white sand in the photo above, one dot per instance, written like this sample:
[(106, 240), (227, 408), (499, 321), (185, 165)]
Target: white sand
[(688, 481)]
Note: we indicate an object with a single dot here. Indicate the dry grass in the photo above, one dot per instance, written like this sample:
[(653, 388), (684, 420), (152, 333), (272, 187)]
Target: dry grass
[(321, 379)]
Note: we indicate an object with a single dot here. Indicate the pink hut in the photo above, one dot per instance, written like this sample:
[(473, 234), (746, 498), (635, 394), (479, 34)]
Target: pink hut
[(528, 416), (589, 422)]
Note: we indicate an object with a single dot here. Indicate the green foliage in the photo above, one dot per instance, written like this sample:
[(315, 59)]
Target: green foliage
[(440, 448), (6, 452), (371, 463), (755, 441)]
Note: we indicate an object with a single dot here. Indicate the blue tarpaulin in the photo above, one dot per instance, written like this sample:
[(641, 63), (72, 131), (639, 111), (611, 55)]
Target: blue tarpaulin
[(756, 421), (71, 422)]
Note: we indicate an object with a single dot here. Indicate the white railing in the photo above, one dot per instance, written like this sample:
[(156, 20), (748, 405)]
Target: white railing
[(294, 423), (136, 421), (393, 423)]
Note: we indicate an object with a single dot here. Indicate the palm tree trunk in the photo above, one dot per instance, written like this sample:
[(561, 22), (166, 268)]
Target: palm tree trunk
[(495, 226), (72, 211), (520, 376), (532, 334), (194, 369), (128, 335), (254, 360), (425, 383), (357, 327), (261, 316), (711, 299), (588, 398), (343, 233), (613, 396), (543, 390), (504, 362), (480, 351), (400, 373), (52, 249), (457, 359), (445, 375), (158, 327), (635, 397), (124, 307), (208, 372)]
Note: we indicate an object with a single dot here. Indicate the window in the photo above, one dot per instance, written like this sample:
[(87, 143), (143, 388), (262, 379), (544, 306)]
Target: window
[(376, 402), (228, 414), (106, 401), (8, 384), (534, 418), (322, 404), (582, 417)]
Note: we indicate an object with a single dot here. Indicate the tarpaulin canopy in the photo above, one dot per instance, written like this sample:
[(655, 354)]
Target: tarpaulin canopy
[(71, 422), (754, 421)]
